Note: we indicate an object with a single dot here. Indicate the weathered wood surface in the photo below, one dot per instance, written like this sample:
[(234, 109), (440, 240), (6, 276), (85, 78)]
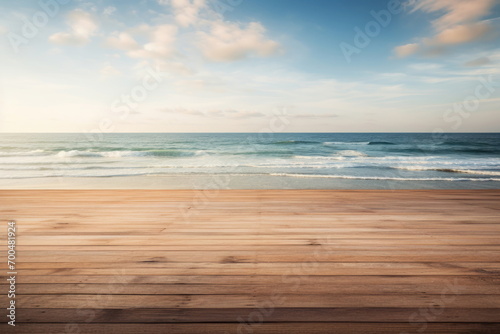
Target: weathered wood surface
[(254, 261)]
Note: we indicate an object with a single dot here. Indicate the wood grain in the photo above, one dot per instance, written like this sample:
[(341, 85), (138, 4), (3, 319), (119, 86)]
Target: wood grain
[(254, 261)]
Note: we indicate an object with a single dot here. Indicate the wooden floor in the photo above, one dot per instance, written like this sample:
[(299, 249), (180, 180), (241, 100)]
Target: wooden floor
[(254, 261)]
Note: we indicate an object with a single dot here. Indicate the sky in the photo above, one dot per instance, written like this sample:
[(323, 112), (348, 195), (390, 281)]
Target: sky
[(247, 65)]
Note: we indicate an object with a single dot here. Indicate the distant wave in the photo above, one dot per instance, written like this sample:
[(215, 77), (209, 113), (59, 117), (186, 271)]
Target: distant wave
[(291, 165), (485, 149), (382, 178), (117, 153), (123, 154), (292, 142), (264, 153), (362, 157), (72, 176), (44, 163), (37, 168), (438, 149), (333, 143), (105, 167), (451, 170), (317, 157), (346, 177)]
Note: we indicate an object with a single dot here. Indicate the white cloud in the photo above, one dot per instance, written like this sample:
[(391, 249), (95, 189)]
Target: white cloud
[(218, 40), (456, 35), (122, 41), (228, 41), (406, 50), (160, 45), (3, 30), (459, 24), (187, 11), (457, 11), (461, 34), (83, 26)]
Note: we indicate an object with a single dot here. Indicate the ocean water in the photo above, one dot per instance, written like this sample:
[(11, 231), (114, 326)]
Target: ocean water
[(440, 161)]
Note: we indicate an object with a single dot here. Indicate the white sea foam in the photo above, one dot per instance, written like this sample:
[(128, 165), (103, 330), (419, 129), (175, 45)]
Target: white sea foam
[(351, 153), (449, 170), (296, 165), (382, 178), (122, 154), (75, 153), (317, 157), (107, 154), (72, 175)]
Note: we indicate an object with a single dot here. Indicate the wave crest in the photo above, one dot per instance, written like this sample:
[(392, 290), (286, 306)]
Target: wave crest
[(451, 170), (124, 154), (382, 178)]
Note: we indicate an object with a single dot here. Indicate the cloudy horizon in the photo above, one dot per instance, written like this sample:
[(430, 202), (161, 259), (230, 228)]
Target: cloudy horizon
[(234, 65)]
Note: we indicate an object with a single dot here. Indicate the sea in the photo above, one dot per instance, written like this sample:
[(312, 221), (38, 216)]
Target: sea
[(305, 160)]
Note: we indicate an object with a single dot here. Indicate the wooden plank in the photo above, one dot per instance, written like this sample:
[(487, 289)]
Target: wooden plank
[(278, 314), (277, 269), (199, 262), (255, 248), (237, 256), (250, 289), (245, 301), (322, 280), (261, 328)]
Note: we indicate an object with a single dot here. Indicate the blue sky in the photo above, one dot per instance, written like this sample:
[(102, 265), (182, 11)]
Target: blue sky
[(233, 65)]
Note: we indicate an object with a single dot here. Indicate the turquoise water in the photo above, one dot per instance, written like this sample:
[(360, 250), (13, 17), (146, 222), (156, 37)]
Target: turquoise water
[(466, 160)]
